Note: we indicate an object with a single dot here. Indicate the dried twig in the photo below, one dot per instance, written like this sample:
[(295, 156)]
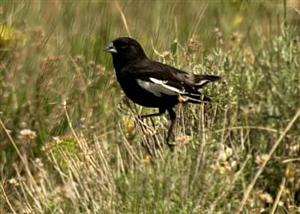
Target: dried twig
[(261, 169)]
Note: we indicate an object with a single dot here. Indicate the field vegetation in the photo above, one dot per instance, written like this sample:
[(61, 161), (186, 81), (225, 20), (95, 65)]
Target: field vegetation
[(71, 142)]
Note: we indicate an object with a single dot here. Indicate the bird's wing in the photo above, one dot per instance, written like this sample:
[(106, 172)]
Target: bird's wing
[(160, 79), (162, 87), (190, 82), (159, 87)]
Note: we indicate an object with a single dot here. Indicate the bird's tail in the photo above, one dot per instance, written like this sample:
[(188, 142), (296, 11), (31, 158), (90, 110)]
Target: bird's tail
[(202, 80), (194, 98)]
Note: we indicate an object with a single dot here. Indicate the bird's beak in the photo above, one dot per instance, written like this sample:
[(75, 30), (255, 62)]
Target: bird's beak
[(111, 48)]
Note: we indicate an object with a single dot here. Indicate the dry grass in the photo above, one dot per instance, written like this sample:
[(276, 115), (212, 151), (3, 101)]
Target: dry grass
[(71, 143)]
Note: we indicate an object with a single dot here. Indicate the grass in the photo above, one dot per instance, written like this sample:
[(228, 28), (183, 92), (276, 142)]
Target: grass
[(71, 143)]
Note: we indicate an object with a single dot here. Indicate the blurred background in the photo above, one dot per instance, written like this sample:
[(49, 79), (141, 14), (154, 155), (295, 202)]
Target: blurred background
[(60, 102)]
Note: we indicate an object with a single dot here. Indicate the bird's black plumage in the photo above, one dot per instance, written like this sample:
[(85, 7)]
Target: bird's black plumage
[(153, 84)]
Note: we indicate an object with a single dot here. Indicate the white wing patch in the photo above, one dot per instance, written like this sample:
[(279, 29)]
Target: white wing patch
[(170, 89), (202, 82), (148, 86), (158, 87)]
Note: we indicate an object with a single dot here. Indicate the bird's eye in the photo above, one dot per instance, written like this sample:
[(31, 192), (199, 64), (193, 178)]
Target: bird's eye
[(124, 46)]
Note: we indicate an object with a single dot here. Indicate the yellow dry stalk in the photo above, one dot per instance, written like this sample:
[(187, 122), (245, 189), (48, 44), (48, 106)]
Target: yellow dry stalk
[(10, 37), (130, 125)]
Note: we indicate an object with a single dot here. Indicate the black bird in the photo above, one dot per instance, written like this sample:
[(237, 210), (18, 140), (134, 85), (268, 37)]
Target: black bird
[(153, 84)]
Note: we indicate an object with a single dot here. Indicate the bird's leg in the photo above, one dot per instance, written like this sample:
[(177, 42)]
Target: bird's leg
[(161, 111), (170, 130)]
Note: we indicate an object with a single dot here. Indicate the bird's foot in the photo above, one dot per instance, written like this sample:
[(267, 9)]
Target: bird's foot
[(171, 146), (170, 141)]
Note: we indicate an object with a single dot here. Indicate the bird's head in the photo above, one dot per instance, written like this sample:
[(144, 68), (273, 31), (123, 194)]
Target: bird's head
[(125, 49)]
